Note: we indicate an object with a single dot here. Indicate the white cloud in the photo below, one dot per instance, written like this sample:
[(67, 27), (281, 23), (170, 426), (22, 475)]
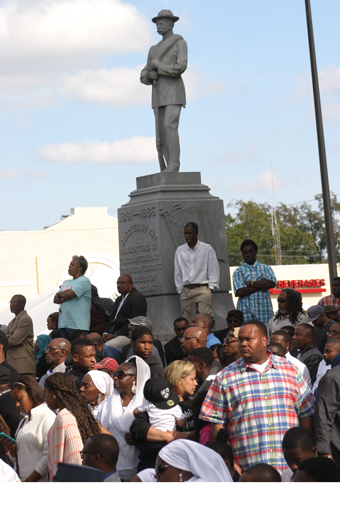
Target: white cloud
[(136, 149), (247, 154), (331, 112), (117, 86), (329, 83), (329, 79), (196, 84), (264, 182), (14, 174), (52, 34)]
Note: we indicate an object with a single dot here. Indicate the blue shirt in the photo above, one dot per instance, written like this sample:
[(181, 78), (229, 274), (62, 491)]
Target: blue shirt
[(75, 313), (212, 340), (112, 352), (258, 305)]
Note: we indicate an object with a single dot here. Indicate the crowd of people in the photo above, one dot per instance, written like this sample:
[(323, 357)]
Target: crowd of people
[(100, 399)]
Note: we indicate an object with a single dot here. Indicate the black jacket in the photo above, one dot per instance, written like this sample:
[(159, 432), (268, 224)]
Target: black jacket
[(311, 357), (327, 414), (173, 351), (134, 305)]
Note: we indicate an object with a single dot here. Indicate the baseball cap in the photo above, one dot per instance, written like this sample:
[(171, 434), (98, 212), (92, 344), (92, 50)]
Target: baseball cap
[(235, 312), (314, 312), (158, 391), (108, 363), (141, 320)]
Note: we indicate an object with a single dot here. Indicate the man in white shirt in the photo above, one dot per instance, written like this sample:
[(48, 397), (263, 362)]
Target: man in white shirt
[(197, 274), (331, 350), (57, 351), (282, 337)]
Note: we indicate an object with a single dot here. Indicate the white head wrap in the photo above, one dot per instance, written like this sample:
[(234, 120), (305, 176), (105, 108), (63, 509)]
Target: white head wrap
[(102, 382), (201, 461), (117, 422)]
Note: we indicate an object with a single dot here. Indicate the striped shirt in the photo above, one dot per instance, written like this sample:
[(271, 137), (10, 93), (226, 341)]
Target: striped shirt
[(258, 408), (64, 442), (258, 305)]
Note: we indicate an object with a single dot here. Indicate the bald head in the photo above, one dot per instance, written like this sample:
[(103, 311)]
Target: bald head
[(203, 321), (57, 351), (193, 337)]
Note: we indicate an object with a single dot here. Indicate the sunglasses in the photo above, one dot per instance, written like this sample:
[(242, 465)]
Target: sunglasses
[(159, 468), (228, 341), (121, 375), (281, 301)]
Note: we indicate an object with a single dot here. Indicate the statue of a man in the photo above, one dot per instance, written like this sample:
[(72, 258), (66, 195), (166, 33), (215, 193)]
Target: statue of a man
[(167, 60)]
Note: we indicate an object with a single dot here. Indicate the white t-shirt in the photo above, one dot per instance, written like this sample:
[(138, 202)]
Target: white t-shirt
[(287, 475), (162, 419)]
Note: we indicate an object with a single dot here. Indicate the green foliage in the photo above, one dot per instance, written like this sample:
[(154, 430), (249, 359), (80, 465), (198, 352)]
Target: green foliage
[(302, 231)]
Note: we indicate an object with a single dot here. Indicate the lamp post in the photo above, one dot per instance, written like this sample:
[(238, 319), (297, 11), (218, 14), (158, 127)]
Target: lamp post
[(322, 149)]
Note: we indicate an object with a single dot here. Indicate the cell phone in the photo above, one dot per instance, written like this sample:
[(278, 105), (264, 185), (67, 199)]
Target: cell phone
[(6, 436)]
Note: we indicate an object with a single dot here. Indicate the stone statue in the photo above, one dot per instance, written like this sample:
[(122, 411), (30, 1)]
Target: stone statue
[(167, 60)]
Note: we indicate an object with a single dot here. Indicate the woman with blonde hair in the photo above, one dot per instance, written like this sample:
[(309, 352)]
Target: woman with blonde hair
[(182, 377)]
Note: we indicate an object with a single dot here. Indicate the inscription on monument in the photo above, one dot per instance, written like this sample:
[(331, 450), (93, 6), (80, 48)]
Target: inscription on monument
[(139, 248)]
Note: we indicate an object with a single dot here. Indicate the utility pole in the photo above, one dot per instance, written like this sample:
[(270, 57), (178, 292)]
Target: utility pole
[(275, 227), (322, 149)]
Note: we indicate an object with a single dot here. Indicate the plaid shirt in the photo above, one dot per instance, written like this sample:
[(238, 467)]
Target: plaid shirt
[(329, 300), (258, 408), (257, 305)]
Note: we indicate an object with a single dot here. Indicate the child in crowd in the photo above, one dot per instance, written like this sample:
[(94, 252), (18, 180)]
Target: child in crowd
[(162, 405)]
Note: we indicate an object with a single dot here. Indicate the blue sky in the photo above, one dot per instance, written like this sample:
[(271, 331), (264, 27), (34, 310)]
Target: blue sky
[(77, 126)]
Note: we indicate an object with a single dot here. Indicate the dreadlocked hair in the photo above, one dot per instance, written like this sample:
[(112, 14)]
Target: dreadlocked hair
[(295, 299), (64, 388)]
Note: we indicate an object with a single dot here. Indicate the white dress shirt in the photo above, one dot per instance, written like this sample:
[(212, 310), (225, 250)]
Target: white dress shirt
[(322, 369), (300, 366), (196, 266)]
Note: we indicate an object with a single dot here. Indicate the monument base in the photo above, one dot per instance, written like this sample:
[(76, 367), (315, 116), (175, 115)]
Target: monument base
[(150, 230)]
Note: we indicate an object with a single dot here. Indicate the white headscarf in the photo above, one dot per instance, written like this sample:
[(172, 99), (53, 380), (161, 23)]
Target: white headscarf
[(201, 461), (102, 382), (117, 422)]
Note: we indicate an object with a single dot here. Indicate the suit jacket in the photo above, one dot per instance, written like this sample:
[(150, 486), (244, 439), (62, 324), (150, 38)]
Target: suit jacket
[(170, 86), (134, 305), (173, 351), (20, 351)]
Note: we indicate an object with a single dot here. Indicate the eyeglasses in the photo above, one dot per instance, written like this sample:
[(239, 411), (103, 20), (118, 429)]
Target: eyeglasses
[(50, 349), (228, 341), (189, 338), (159, 468), (281, 301), (121, 375), (332, 333)]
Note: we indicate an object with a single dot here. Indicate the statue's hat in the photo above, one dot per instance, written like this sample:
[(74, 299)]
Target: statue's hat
[(165, 13)]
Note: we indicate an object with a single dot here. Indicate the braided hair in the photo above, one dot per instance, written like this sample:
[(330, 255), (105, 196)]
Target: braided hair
[(221, 445), (64, 388)]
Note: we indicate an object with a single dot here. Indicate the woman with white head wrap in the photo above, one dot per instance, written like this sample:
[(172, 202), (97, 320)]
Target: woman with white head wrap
[(187, 461), (116, 413), (96, 386)]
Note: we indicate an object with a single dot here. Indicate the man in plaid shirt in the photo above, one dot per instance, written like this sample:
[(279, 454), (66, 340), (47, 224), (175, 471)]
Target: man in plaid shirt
[(334, 299), (252, 281), (258, 398)]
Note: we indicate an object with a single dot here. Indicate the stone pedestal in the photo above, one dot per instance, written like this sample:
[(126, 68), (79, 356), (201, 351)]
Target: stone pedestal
[(151, 229)]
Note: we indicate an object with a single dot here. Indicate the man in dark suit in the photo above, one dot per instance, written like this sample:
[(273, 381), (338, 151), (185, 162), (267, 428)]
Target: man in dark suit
[(173, 350), (130, 304)]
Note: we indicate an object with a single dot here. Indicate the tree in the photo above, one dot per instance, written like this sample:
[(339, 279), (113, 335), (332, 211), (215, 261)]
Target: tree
[(302, 231)]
